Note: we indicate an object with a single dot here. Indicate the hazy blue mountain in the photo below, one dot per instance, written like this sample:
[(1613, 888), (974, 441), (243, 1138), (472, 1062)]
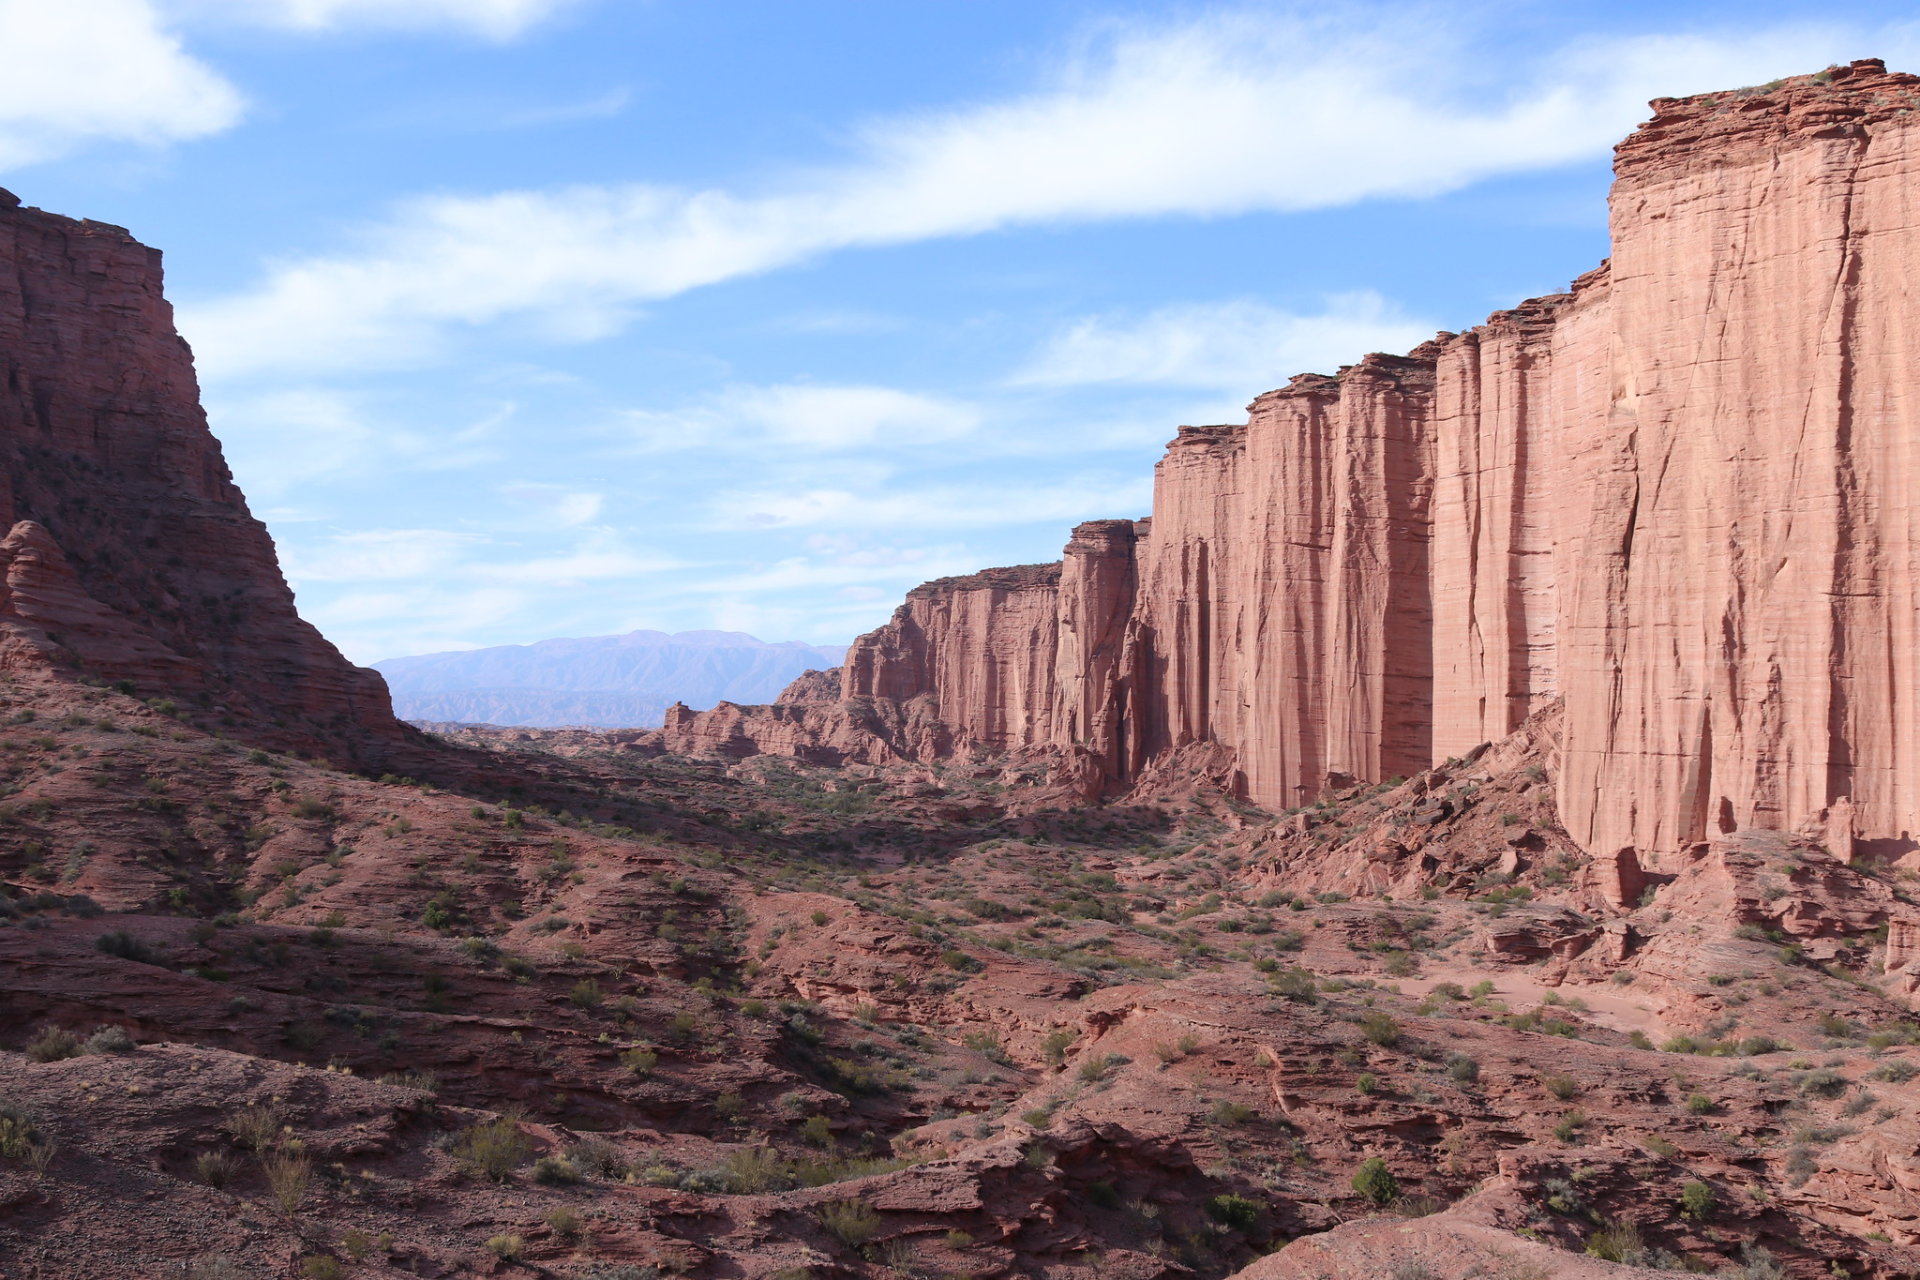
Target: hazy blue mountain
[(616, 682)]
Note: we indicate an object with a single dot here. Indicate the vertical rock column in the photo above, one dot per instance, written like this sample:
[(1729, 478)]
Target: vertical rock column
[(1493, 568), (1757, 665), (1379, 654), (1092, 686)]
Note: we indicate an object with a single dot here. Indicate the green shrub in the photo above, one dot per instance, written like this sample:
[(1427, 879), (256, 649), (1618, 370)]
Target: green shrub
[(1295, 984), (586, 994), (494, 1149), (1375, 1181), (1462, 1068), (555, 1171), (1226, 1111), (507, 1248), (849, 1221), (1617, 1242), (1697, 1201), (1561, 1087), (1367, 1082), (1699, 1104), (1824, 1083), (640, 1062), (1237, 1212), (1381, 1029)]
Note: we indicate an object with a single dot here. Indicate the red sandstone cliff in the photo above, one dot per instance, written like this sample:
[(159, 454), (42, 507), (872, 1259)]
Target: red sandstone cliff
[(132, 555), (1682, 497)]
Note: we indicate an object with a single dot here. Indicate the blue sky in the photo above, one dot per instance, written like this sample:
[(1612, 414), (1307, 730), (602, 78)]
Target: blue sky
[(532, 318)]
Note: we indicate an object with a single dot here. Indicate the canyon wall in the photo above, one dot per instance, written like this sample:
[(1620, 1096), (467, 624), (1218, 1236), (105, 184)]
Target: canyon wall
[(132, 555), (1681, 497)]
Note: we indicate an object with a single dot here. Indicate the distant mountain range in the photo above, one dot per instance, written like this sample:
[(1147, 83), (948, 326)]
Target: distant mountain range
[(615, 682)]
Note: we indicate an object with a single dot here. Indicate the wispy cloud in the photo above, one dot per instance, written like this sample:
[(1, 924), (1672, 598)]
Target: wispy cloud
[(281, 441), (934, 506), (106, 70), (1216, 117), (805, 417), (492, 19), (1239, 345)]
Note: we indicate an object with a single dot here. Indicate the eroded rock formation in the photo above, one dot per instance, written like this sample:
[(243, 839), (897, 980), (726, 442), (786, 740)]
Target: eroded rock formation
[(1680, 496), (132, 555)]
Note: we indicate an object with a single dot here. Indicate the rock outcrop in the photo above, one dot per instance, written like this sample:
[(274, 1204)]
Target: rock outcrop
[(1680, 496), (132, 555)]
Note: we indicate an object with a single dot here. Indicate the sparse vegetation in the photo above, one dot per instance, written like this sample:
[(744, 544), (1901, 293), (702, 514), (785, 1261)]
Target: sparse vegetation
[(1374, 1181), (494, 1149), (851, 1222)]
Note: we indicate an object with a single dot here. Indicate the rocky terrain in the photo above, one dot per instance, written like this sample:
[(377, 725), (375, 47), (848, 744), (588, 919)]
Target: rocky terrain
[(998, 953)]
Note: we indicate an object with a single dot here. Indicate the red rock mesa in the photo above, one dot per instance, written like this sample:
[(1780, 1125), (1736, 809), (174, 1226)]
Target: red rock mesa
[(132, 555), (1681, 496)]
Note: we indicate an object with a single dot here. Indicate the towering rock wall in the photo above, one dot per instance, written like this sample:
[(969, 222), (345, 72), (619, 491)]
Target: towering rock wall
[(1684, 497), (132, 554), (982, 645)]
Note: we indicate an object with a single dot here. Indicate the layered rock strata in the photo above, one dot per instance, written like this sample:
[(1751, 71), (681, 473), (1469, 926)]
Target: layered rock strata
[(1681, 497), (132, 555)]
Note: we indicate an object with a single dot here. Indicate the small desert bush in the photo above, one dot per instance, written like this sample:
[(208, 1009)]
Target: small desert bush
[(1376, 1182), (288, 1174), (216, 1168), (1617, 1242), (255, 1128), (1236, 1212), (850, 1222), (53, 1044), (493, 1150), (1561, 1087), (554, 1171), (1381, 1029), (1697, 1201), (1229, 1112), (108, 1040)]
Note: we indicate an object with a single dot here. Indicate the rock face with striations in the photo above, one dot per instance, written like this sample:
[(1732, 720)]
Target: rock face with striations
[(1684, 497), (132, 555)]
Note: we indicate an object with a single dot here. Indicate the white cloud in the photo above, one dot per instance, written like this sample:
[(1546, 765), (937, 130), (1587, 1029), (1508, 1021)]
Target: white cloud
[(1217, 117), (493, 19), (380, 592), (79, 71), (935, 507), (566, 506), (1240, 345), (379, 555), (280, 442), (804, 416)]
